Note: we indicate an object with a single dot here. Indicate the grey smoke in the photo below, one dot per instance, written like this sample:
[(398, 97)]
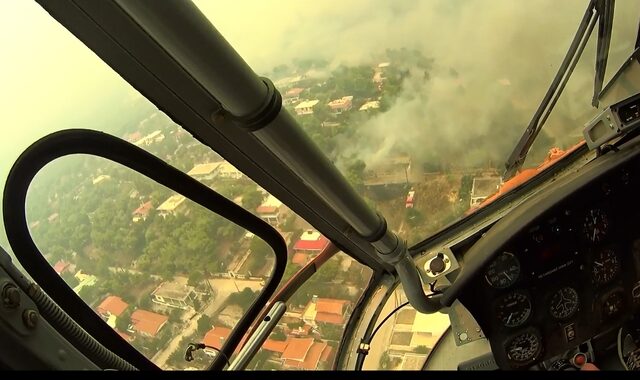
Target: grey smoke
[(504, 52)]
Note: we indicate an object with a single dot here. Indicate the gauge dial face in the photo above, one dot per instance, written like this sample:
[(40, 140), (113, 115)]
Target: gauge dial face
[(503, 271), (564, 303), (596, 225), (513, 309), (612, 305), (524, 347), (606, 266)]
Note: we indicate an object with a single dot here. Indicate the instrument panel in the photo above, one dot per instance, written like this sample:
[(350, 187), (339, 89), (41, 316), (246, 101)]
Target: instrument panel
[(565, 276)]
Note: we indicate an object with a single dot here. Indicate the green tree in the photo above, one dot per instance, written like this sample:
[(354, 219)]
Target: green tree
[(123, 321), (196, 278), (252, 199), (205, 323)]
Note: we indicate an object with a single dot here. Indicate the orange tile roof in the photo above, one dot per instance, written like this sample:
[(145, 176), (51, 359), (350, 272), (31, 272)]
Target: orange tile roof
[(148, 322), (144, 209), (326, 354), (275, 345), (266, 209), (60, 266), (330, 305), (329, 318), (216, 336), (311, 359), (113, 305), (297, 349)]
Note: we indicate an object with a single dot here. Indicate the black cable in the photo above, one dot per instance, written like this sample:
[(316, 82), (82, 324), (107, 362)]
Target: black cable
[(384, 320), (363, 348)]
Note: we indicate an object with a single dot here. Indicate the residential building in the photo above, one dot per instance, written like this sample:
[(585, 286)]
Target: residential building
[(112, 305), (370, 105), (392, 171), (305, 354), (171, 206), (147, 323), (330, 124), (174, 294), (378, 73), (142, 212), (204, 172), (326, 310), (482, 188), (306, 107), (215, 338), (292, 95), (84, 280), (311, 242), (153, 137), (341, 105), (100, 178), (289, 81), (61, 266), (269, 210), (412, 330), (226, 170)]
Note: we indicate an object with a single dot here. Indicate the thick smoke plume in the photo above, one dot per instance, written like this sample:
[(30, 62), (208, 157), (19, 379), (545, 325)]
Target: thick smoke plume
[(492, 63)]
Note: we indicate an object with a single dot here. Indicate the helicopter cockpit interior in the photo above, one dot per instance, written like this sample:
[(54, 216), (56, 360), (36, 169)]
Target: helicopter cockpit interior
[(349, 208)]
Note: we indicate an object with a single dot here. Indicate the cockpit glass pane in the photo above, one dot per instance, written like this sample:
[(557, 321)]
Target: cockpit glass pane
[(414, 100), (121, 239)]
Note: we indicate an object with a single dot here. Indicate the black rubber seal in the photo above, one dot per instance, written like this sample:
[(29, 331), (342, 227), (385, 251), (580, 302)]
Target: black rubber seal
[(379, 233), (265, 114), (82, 141)]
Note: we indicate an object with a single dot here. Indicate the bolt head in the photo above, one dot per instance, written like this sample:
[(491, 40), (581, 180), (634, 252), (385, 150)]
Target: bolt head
[(30, 318), (10, 296)]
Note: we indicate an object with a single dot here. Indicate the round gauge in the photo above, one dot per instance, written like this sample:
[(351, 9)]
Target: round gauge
[(564, 303), (524, 347), (612, 305), (606, 266), (596, 225), (503, 271), (513, 309)]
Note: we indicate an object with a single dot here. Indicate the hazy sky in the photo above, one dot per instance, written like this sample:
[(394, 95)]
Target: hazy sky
[(505, 51)]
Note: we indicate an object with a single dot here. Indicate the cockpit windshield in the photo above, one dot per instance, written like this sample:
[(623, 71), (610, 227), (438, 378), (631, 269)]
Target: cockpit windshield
[(420, 103)]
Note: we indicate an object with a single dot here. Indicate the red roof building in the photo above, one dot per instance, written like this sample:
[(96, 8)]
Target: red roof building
[(304, 353), (326, 310), (215, 338), (60, 267), (112, 305), (142, 212), (275, 345), (146, 322), (311, 242)]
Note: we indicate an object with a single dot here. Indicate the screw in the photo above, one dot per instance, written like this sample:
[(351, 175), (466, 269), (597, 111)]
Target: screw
[(30, 318), (11, 296)]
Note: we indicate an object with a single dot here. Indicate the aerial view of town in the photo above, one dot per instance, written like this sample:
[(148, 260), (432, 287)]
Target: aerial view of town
[(164, 272)]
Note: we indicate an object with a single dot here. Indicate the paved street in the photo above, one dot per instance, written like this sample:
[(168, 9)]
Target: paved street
[(223, 288)]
